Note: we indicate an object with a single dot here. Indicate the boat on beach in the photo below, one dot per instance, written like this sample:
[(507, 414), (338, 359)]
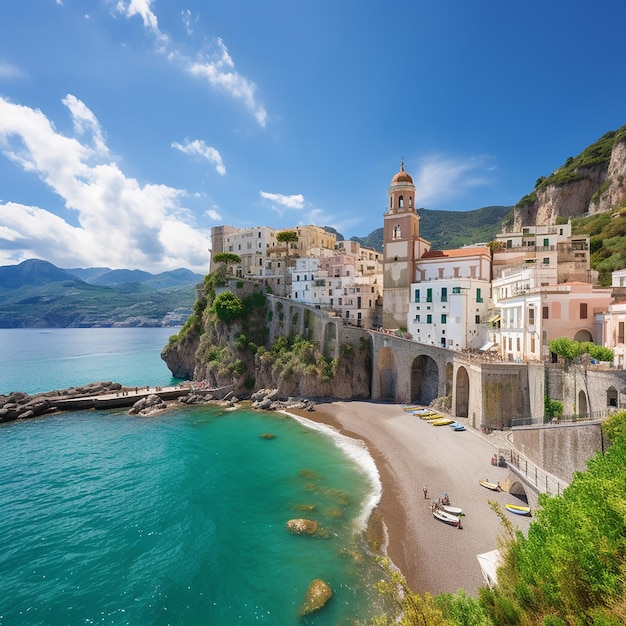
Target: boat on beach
[(518, 510), (441, 421), (453, 510), (446, 518), (456, 427), (489, 485)]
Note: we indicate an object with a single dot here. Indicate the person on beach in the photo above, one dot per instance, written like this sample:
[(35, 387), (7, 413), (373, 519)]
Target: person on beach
[(425, 490)]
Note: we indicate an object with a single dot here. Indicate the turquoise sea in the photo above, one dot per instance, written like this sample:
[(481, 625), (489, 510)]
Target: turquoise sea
[(176, 519)]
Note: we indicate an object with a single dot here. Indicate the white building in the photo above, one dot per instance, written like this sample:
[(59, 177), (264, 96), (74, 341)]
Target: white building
[(450, 300)]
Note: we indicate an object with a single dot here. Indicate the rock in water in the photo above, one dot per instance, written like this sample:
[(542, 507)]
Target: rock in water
[(318, 594), (301, 526), (150, 405)]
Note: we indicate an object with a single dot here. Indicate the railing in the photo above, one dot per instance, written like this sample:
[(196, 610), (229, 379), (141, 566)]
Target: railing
[(556, 421), (534, 475)]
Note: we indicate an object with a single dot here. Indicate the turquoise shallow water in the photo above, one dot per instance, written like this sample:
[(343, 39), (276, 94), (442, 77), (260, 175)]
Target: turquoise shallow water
[(181, 519)]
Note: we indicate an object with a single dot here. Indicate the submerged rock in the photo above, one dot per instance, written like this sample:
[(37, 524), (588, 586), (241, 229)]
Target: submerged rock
[(317, 595), (301, 526)]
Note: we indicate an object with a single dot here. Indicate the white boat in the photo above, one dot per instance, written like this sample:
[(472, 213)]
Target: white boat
[(446, 518), (453, 510)]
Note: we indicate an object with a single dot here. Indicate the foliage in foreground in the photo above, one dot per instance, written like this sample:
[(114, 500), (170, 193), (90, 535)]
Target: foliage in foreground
[(569, 571)]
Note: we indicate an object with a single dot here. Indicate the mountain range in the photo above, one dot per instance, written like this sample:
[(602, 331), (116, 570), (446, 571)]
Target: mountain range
[(37, 294)]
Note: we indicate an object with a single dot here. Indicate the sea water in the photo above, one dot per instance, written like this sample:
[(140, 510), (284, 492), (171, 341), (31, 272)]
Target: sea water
[(33, 360), (181, 519)]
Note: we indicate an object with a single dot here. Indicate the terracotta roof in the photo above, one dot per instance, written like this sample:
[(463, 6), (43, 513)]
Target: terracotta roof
[(457, 252)]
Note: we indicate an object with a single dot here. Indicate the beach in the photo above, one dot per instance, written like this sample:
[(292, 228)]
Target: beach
[(410, 453)]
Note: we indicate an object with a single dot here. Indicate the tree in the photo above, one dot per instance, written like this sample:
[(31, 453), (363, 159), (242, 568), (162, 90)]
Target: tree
[(227, 258), (287, 237), (227, 306)]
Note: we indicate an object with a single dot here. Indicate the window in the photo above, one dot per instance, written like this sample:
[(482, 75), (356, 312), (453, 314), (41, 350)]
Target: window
[(418, 318), (532, 344), (443, 318), (400, 202), (620, 332), (531, 315), (444, 294), (546, 260), (429, 319), (477, 319), (479, 297), (417, 295), (545, 312), (429, 295), (583, 310), (546, 243), (518, 344), (456, 290)]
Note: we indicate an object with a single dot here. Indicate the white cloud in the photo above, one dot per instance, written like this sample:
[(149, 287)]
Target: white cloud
[(120, 222), (218, 69), (295, 201), (197, 147), (213, 214), (441, 179), (8, 70)]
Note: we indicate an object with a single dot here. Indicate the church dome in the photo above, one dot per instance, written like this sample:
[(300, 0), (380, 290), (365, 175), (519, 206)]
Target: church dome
[(401, 176)]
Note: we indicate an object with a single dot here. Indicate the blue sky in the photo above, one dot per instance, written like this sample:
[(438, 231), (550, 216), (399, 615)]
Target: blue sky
[(128, 128)]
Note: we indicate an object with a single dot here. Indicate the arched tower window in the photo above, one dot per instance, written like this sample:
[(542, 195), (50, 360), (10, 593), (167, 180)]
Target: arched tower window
[(391, 202), (400, 202), (410, 202)]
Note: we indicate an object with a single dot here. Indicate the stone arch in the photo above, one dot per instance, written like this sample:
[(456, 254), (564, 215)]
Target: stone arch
[(387, 375), (583, 335), (424, 379), (517, 489), (330, 340), (582, 406), (461, 408), (611, 397)]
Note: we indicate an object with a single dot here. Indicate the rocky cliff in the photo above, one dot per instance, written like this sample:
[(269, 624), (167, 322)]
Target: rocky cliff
[(593, 182), (238, 352)]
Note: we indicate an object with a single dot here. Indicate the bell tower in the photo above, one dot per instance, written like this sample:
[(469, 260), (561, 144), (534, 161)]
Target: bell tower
[(402, 246)]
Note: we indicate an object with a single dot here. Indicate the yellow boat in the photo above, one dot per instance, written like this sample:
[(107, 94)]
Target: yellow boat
[(518, 510), (444, 421), (431, 416)]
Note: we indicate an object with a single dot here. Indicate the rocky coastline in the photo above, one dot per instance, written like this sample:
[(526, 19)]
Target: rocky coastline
[(18, 405)]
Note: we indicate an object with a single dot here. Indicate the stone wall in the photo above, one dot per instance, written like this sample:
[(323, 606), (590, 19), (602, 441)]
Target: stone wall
[(560, 449)]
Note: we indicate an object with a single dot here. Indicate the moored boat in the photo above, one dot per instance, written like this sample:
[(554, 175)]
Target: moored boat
[(453, 510), (457, 427), (518, 510), (441, 421), (489, 485)]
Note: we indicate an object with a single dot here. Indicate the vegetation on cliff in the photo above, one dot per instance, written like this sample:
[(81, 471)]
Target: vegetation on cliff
[(227, 339), (569, 570), (576, 168), (607, 241)]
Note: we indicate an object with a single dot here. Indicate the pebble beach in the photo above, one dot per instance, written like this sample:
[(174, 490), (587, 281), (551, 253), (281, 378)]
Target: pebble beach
[(411, 454)]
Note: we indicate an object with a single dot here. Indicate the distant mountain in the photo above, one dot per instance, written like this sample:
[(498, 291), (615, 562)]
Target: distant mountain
[(450, 229), (32, 272), (105, 276), (37, 294)]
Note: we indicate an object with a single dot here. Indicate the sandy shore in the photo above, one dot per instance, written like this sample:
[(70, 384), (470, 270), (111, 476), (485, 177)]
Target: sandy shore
[(410, 453)]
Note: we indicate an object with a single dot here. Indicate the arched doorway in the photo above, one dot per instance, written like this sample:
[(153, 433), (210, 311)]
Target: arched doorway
[(611, 397), (387, 374), (424, 380), (583, 408), (461, 408), (583, 335)]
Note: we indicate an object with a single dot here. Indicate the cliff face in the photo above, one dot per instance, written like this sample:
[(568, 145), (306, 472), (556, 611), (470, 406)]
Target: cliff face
[(238, 353), (593, 182)]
